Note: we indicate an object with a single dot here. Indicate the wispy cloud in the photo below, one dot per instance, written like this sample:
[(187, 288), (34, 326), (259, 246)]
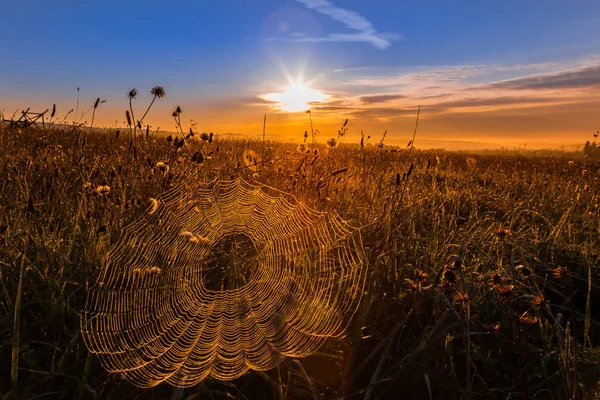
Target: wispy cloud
[(444, 77), (380, 98), (364, 29), (587, 76), (417, 76), (385, 94)]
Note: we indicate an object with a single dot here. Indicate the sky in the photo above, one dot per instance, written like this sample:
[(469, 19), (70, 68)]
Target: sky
[(486, 74)]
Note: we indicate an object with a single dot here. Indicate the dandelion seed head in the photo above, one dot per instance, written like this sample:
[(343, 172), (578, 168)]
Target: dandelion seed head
[(158, 91)]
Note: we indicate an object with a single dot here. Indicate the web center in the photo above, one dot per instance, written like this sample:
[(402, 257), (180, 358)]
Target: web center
[(231, 263)]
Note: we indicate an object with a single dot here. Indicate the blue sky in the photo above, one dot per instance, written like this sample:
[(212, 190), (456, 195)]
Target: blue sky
[(219, 59)]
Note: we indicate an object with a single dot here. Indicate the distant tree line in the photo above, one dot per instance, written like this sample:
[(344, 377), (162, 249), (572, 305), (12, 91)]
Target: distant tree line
[(591, 149)]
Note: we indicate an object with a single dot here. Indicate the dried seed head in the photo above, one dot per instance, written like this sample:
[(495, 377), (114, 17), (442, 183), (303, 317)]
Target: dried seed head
[(461, 298), (412, 286), (198, 157), (449, 277), (103, 189), (420, 275), (158, 91), (493, 328), (501, 232), (526, 272), (339, 171), (496, 279), (410, 170), (505, 290), (302, 147), (153, 206), (162, 166), (132, 93), (539, 300), (527, 319), (560, 272)]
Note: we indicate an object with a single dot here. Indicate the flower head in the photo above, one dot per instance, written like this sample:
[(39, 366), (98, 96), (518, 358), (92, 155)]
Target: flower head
[(461, 298), (419, 274), (528, 319), (132, 93), (103, 189), (501, 232), (560, 272), (302, 147), (158, 91)]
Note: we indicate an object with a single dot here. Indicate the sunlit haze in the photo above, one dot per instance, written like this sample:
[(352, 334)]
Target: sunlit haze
[(297, 96)]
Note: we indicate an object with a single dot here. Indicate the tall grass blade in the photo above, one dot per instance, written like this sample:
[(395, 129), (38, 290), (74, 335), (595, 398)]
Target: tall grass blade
[(14, 375)]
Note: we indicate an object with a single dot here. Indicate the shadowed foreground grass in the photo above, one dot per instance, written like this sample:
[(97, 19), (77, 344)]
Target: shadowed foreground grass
[(482, 269)]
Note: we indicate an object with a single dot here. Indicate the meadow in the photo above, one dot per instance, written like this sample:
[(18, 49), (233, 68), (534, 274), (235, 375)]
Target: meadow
[(481, 279)]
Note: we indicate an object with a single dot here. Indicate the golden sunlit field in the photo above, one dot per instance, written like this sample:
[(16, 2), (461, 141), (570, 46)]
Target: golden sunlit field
[(478, 274)]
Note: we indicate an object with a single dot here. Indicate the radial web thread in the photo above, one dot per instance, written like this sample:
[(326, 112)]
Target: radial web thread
[(219, 279)]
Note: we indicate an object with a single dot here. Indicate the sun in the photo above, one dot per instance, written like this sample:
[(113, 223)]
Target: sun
[(295, 97)]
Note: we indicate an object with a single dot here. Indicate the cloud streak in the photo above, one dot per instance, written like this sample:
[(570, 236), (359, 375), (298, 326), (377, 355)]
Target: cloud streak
[(575, 78), (364, 29), (387, 94), (380, 98)]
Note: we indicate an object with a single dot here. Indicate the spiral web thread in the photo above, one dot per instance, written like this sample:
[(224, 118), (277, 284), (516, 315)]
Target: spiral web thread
[(163, 309)]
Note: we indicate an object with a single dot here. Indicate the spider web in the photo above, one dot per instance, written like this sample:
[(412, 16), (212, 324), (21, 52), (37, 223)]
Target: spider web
[(219, 279)]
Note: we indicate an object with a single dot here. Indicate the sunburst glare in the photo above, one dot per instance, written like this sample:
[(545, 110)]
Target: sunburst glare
[(297, 96)]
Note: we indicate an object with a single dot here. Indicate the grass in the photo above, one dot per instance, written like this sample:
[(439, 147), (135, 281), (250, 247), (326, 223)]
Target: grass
[(481, 282)]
